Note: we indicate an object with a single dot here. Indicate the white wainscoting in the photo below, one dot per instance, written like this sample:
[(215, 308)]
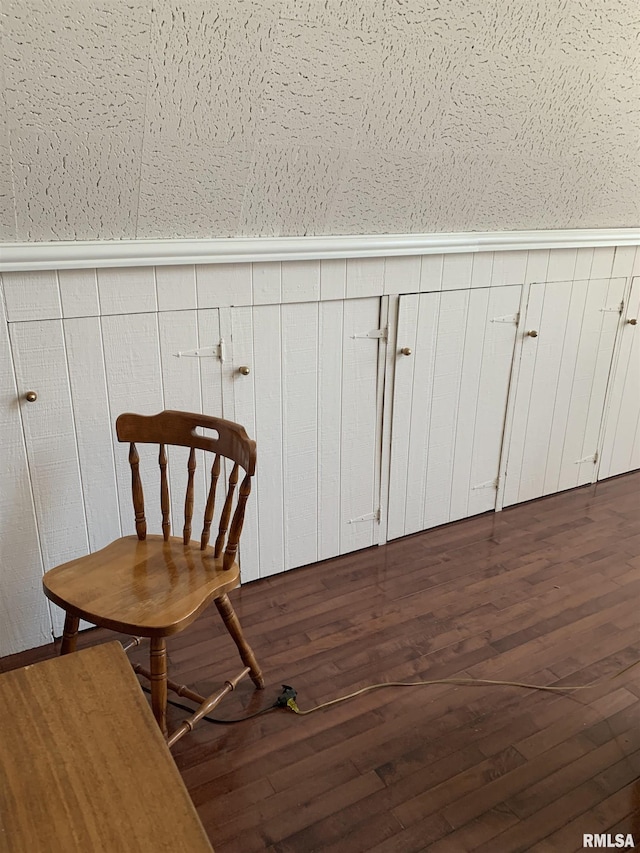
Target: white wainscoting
[(357, 443)]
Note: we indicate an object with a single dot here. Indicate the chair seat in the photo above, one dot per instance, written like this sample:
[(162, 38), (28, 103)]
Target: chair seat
[(151, 587)]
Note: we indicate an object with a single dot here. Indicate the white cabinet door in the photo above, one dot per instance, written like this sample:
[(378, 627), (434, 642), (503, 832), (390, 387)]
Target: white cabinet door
[(157, 361), (86, 372), (311, 400), (40, 359), (621, 442), (449, 406), (25, 618), (561, 386)]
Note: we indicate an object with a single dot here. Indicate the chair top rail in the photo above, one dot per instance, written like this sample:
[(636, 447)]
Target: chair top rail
[(179, 428)]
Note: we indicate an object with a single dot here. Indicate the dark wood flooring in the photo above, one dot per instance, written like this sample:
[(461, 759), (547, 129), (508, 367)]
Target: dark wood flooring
[(546, 592)]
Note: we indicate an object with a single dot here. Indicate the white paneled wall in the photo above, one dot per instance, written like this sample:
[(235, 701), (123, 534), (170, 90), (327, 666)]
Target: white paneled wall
[(347, 427)]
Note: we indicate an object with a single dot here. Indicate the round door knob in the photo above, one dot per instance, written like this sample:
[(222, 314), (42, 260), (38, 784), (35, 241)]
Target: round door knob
[(31, 396), (244, 370), (406, 350), (532, 333), (632, 322)]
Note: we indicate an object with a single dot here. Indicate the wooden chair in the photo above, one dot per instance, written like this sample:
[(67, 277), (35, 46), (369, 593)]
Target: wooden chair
[(155, 586)]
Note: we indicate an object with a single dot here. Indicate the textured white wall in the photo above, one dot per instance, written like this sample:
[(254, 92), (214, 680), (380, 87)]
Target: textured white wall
[(205, 118)]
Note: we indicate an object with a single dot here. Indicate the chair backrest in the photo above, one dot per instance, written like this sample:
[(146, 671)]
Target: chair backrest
[(179, 428)]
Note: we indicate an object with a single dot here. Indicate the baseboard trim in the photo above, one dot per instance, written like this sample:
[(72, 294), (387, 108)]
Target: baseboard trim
[(16, 257)]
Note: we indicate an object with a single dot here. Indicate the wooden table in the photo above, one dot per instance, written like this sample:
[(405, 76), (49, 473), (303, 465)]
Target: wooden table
[(83, 766)]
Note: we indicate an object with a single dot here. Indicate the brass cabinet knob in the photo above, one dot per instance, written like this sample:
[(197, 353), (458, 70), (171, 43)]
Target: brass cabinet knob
[(532, 333), (406, 350), (31, 396), (632, 322), (244, 370)]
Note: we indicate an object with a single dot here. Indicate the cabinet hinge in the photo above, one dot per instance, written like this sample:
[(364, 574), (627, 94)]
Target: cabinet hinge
[(592, 458), (507, 318), (370, 516), (490, 484), (380, 334), (216, 351), (617, 310)]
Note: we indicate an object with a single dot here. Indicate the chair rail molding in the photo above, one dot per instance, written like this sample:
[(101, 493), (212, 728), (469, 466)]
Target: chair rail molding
[(17, 257)]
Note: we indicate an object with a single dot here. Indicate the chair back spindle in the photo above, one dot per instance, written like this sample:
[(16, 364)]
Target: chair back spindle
[(164, 493), (181, 428), (226, 512), (188, 501), (211, 502), (236, 525), (138, 494)]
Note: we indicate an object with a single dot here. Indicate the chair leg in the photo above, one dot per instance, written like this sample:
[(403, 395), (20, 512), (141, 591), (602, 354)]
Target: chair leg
[(70, 634), (158, 673), (233, 626)]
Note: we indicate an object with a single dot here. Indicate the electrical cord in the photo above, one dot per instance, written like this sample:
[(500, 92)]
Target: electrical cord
[(461, 682), (215, 719), (287, 698)]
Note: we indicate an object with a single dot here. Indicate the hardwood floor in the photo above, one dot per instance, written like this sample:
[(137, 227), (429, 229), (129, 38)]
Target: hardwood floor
[(546, 592)]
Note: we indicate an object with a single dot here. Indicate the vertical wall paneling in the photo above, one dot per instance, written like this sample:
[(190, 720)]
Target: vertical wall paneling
[(562, 264), (25, 618), (223, 284), (431, 273), (333, 279), (299, 418), (267, 283), (178, 333), (79, 293), (365, 277), (387, 358), (423, 416), (598, 333), (301, 281), (31, 295), (127, 290), (243, 388), (495, 356), (482, 271), (508, 268), (445, 466), (41, 364), (537, 265), (403, 372), (134, 384), (623, 261), (359, 472), (584, 262), (332, 365), (602, 264), (92, 419), (621, 440), (486, 367), (402, 275), (561, 386), (265, 411), (176, 287), (211, 382), (211, 369), (457, 270)]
